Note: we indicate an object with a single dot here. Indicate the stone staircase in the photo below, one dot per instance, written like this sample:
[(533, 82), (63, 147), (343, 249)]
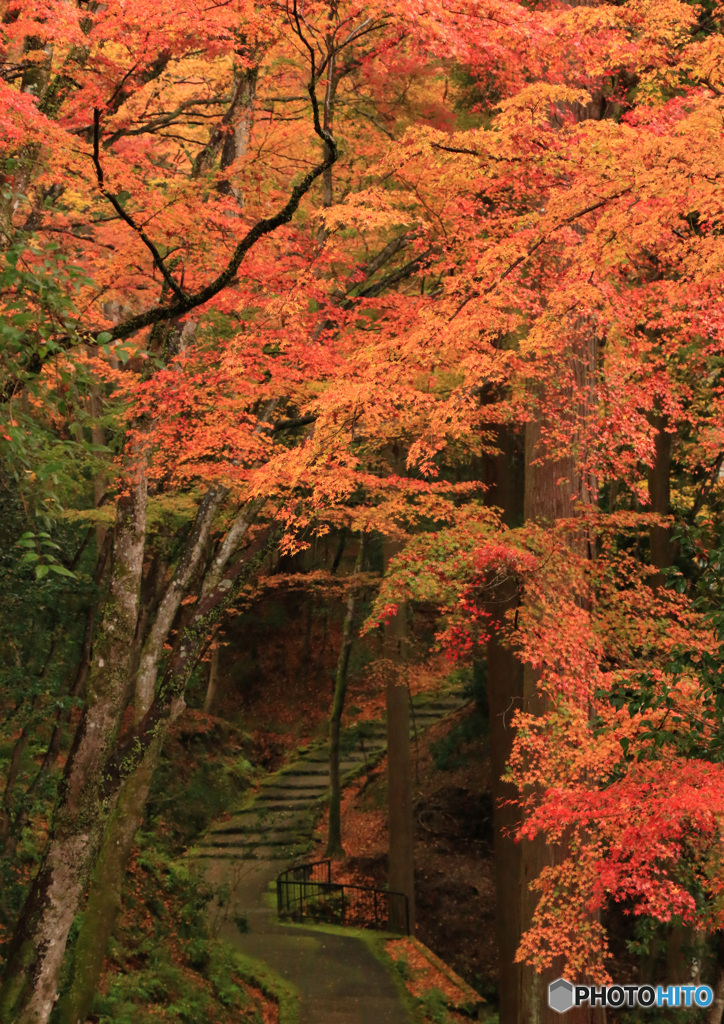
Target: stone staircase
[(278, 822)]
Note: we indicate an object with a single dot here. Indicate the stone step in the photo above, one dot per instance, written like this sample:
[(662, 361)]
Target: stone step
[(257, 818), (273, 796), (283, 805), (353, 757), (296, 782), (276, 826), (258, 828), (285, 839), (248, 853), (442, 706)]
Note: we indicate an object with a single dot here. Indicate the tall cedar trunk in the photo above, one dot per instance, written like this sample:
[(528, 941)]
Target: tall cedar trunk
[(334, 843), (678, 937), (504, 477), (401, 870), (548, 499), (36, 952), (551, 488), (554, 489)]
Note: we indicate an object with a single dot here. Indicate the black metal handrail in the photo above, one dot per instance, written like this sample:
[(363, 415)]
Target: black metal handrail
[(307, 891)]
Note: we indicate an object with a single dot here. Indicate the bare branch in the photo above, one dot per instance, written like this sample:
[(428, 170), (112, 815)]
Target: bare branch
[(157, 259)]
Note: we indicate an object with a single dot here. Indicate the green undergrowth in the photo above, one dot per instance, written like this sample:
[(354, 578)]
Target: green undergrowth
[(166, 963), (206, 770), (453, 750)]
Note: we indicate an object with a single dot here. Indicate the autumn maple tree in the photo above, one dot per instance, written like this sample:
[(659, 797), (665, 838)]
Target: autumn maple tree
[(451, 278)]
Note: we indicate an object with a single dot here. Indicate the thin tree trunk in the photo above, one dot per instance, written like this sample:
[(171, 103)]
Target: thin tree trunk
[(33, 965), (212, 690), (401, 868), (8, 840), (659, 481), (334, 844)]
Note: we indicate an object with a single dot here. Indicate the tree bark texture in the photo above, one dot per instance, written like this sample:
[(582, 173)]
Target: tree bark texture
[(556, 487), (36, 952), (228, 141), (504, 479), (104, 898)]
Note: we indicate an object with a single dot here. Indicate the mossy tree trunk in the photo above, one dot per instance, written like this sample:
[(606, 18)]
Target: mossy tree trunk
[(34, 959), (130, 772), (104, 898)]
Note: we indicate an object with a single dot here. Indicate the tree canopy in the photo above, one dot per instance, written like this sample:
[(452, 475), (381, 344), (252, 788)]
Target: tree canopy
[(449, 275)]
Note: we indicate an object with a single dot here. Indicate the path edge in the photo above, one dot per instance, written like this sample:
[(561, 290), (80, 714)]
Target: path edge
[(272, 985)]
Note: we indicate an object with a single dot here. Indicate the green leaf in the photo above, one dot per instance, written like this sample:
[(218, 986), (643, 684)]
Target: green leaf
[(40, 571), (62, 571)]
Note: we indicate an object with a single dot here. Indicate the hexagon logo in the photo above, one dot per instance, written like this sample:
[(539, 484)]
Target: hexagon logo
[(560, 995)]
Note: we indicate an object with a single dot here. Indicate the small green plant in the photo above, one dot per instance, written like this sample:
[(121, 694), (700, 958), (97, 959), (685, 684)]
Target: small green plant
[(403, 968), (450, 752), (434, 1007)]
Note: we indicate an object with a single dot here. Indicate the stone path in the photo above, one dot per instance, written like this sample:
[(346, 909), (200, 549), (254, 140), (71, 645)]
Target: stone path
[(338, 978)]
